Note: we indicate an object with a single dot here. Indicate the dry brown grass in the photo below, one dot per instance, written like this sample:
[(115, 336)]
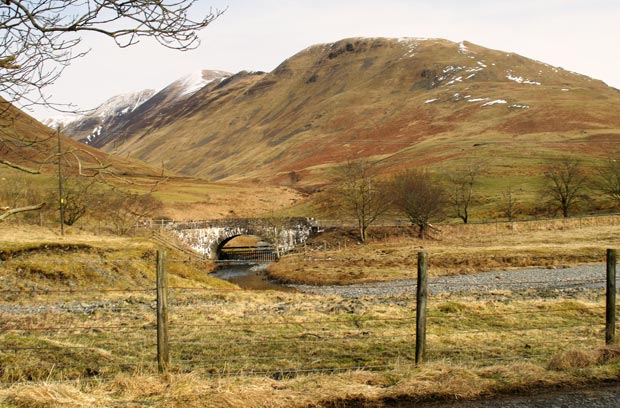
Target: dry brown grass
[(199, 200), (435, 381), (478, 344), (459, 249), (579, 359), (461, 361), (39, 258)]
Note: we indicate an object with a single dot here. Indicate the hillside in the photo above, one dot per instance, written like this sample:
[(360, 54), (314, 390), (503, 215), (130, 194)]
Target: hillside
[(26, 143), (407, 102), (120, 116)]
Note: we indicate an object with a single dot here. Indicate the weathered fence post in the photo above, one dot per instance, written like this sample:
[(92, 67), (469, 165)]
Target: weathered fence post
[(610, 306), (421, 298), (163, 357)]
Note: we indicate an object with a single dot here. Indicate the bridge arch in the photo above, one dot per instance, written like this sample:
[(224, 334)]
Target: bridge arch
[(248, 250), (205, 237)]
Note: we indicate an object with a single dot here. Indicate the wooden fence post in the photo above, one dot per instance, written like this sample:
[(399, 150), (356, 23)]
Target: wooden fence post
[(421, 298), (610, 305), (163, 356)]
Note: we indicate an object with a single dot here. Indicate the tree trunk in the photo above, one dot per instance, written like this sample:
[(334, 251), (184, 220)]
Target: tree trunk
[(362, 234), (422, 233)]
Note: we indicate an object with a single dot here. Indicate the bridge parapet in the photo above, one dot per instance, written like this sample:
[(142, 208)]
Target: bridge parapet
[(208, 236)]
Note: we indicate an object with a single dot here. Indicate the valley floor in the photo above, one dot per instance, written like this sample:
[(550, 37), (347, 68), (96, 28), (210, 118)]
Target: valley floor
[(77, 327)]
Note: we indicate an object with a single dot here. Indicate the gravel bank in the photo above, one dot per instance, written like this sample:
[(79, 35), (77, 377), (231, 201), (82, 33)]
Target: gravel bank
[(572, 279)]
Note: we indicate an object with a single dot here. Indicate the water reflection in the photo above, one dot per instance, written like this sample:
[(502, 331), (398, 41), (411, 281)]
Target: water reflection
[(249, 276)]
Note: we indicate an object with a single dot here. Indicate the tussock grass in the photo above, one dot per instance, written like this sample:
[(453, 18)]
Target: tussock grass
[(579, 358), (38, 259)]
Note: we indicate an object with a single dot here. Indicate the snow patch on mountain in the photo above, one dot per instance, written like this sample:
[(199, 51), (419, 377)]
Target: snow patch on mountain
[(520, 79), (122, 104), (495, 102), (61, 120), (197, 80), (94, 134), (115, 106), (113, 110), (412, 44)]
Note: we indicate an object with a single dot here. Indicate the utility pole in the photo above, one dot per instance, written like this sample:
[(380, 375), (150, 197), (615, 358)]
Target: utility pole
[(61, 199)]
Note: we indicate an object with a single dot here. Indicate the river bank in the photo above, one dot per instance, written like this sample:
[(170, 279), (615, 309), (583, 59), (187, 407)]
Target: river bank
[(571, 279)]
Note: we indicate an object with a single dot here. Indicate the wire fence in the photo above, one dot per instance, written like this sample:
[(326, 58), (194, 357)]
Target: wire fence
[(106, 326)]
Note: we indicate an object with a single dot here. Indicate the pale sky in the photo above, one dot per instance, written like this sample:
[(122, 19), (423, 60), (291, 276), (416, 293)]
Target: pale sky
[(577, 35)]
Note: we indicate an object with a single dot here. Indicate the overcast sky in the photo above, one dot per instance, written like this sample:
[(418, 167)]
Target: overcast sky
[(577, 35)]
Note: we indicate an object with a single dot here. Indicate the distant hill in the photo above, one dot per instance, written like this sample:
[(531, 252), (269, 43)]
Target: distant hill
[(401, 102), (27, 143), (122, 114)]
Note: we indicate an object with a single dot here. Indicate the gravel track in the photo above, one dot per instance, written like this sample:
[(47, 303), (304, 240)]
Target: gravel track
[(605, 396), (571, 279)]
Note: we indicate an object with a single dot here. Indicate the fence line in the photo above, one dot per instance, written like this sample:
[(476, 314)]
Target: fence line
[(325, 339)]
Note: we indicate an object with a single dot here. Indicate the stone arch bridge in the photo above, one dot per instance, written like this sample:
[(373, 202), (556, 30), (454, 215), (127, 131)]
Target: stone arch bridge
[(207, 237)]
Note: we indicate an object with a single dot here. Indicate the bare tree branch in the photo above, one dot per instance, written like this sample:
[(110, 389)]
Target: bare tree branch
[(461, 185), (19, 167), (14, 211), (39, 38)]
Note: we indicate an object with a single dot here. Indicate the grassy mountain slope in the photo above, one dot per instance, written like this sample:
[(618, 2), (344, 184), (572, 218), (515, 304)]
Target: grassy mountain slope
[(405, 102), (27, 143)]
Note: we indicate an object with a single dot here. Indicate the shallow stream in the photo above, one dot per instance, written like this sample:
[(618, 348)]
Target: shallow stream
[(249, 276)]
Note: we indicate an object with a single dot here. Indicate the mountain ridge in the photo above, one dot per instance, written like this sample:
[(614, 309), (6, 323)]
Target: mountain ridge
[(402, 102), (113, 114)]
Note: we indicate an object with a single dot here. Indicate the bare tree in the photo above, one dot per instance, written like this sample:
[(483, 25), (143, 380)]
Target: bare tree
[(39, 38), (420, 198), (608, 180), (125, 210), (358, 193), (565, 183), (509, 205), (76, 198), (461, 186)]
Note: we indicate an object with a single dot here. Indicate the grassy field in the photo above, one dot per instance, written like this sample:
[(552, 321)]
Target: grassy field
[(336, 257), (67, 341)]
